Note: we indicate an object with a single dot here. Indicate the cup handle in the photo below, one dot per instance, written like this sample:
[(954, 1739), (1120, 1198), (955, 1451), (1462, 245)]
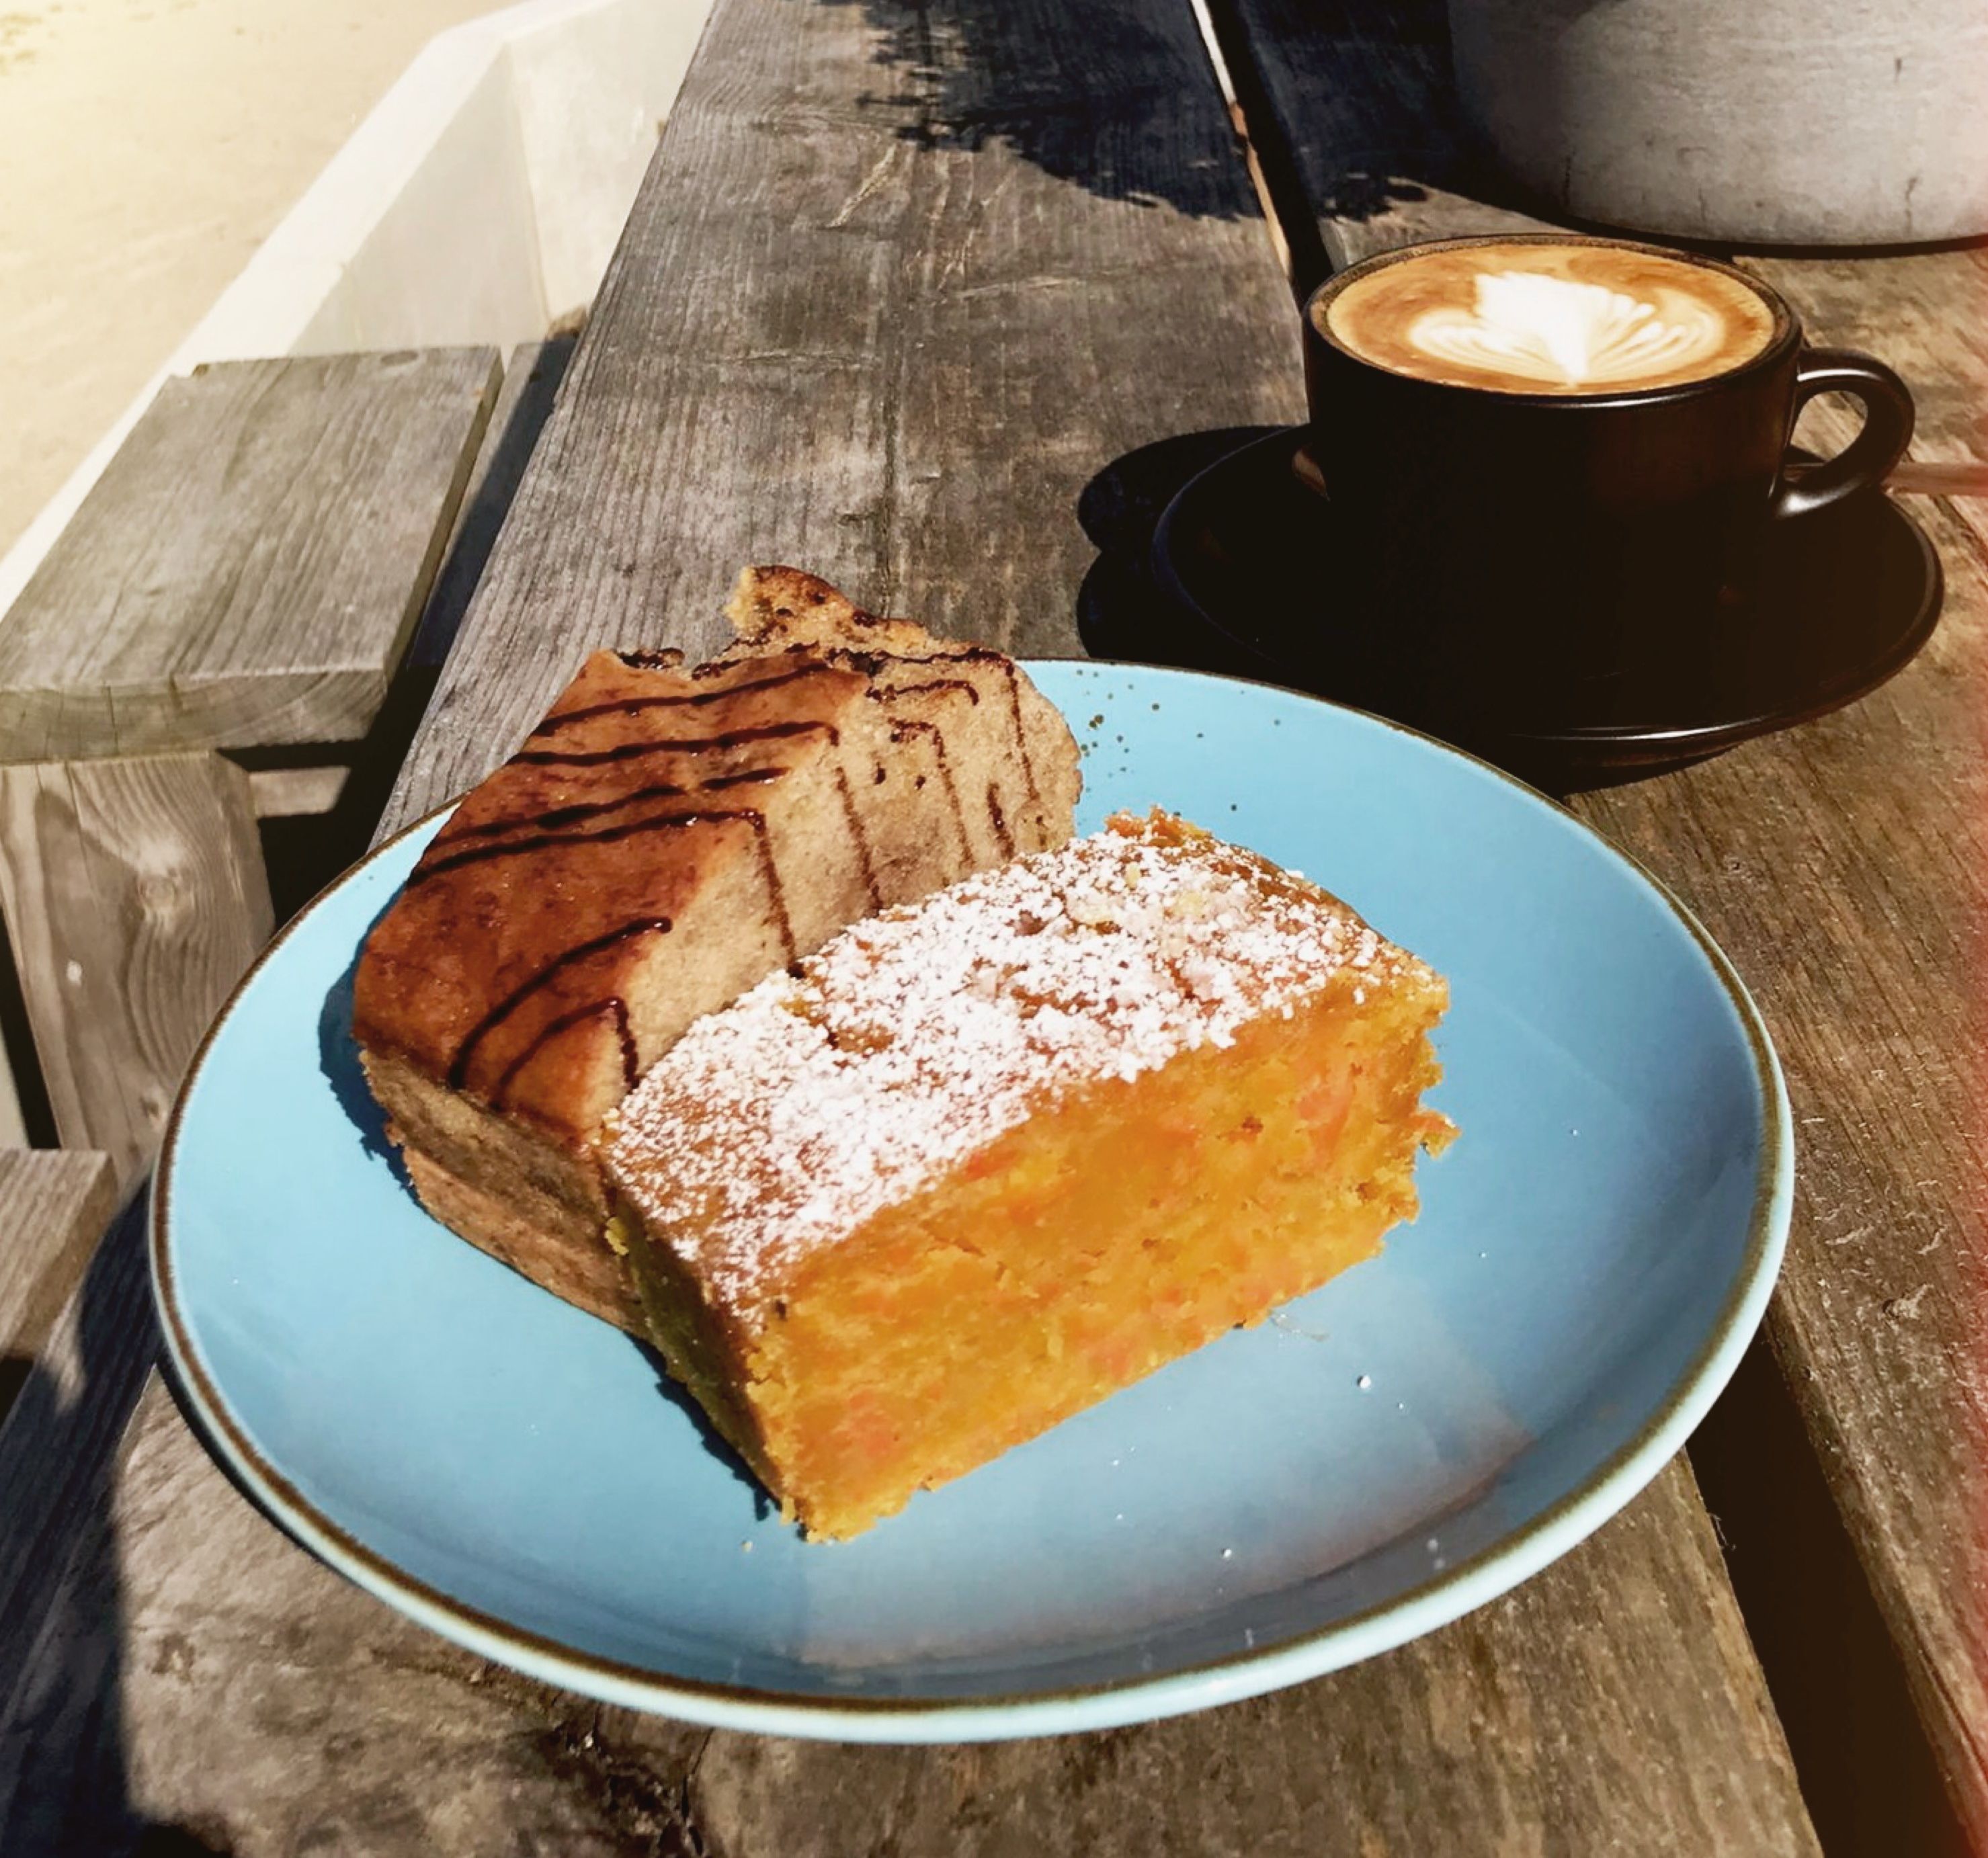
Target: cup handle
[(1869, 458)]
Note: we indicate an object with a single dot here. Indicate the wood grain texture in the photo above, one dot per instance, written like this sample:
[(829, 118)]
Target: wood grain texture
[(532, 377), (1843, 867), (250, 566), (901, 281), (13, 1124), (54, 1205), (135, 898), (1926, 313), (289, 1711)]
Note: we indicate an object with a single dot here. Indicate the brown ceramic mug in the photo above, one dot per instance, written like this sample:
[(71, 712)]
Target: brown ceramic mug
[(1560, 457)]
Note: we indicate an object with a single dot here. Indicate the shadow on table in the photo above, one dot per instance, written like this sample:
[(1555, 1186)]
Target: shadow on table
[(1123, 611), (1870, 1780), (985, 74), (64, 1786), (1120, 611), (1353, 117)]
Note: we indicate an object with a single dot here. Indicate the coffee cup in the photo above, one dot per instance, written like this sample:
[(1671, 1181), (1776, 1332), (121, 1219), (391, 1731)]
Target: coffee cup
[(1553, 462)]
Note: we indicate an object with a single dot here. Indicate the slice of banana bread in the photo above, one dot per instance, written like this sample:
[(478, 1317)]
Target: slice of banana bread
[(664, 839)]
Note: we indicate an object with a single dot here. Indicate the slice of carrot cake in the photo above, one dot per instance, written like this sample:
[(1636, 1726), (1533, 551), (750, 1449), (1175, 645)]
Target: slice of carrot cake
[(985, 1159)]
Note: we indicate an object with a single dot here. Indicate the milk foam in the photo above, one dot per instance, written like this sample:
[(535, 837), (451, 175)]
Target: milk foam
[(1553, 329)]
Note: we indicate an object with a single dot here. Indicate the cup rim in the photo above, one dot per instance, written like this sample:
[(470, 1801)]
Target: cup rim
[(1788, 336)]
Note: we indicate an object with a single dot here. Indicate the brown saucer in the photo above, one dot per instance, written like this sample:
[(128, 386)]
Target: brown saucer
[(1851, 592)]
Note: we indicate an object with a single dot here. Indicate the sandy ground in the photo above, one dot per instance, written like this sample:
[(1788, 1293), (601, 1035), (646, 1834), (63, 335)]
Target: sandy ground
[(147, 148)]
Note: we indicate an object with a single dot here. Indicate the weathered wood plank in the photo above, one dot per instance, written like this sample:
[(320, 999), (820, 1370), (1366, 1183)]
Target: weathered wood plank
[(135, 897), (1920, 311), (1842, 865), (54, 1205), (1844, 868), (896, 286), (364, 1729), (532, 377), (900, 282), (250, 566)]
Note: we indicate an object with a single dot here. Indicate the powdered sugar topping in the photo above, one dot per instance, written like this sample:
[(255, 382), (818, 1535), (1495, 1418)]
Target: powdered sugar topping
[(913, 1039)]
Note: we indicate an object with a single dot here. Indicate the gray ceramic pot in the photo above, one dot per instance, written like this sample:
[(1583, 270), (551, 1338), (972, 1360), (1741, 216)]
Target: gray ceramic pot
[(1822, 122)]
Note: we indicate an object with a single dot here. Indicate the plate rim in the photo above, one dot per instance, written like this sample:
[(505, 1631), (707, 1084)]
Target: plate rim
[(1445, 1596)]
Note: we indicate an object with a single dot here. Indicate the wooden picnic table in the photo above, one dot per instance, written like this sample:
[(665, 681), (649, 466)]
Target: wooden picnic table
[(905, 291)]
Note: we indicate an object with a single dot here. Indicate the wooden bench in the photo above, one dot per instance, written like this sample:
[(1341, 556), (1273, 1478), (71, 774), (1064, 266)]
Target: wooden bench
[(135, 898), (247, 571), (134, 888), (246, 577)]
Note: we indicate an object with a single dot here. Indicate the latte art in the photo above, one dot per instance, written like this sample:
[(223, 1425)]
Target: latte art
[(1550, 329), (1562, 316)]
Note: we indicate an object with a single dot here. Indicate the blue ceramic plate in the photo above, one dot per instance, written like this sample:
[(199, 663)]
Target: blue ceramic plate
[(1377, 1458)]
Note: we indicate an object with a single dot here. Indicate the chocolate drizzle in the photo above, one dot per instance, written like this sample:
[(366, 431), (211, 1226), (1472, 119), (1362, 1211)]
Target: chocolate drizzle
[(1006, 839), (860, 839), (546, 842), (564, 994), (899, 730), (884, 695), (692, 745), (1021, 733), (777, 896), (458, 1069), (630, 706), (570, 816), (550, 829), (871, 664)]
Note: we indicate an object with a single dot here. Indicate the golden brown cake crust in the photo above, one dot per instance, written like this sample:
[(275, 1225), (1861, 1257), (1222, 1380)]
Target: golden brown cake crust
[(782, 609), (502, 969)]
